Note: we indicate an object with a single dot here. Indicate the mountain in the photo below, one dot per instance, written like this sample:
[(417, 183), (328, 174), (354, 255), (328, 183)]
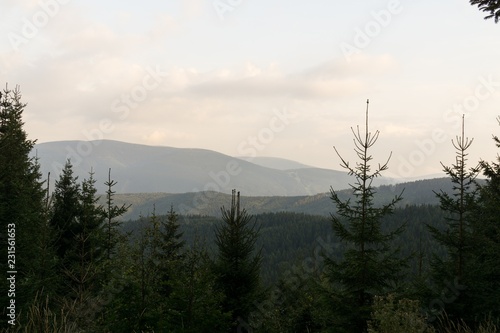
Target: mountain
[(209, 203), (198, 181), (275, 162), (149, 169)]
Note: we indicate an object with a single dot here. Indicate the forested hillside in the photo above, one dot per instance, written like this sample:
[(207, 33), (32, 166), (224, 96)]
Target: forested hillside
[(373, 264), (288, 238), (421, 192)]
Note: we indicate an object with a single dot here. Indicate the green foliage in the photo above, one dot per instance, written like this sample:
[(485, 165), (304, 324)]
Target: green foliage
[(370, 265), (79, 271), (391, 315), (418, 193), (170, 251), (22, 205), (149, 297), (81, 241), (194, 302), (290, 305), (456, 237), (237, 265), (112, 212), (65, 211), (449, 326), (485, 285), (39, 317), (492, 7)]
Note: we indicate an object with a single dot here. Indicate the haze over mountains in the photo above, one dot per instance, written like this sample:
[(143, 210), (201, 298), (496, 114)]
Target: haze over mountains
[(209, 203), (149, 169), (198, 181)]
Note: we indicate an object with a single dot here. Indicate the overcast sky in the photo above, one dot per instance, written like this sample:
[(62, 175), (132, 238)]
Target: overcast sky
[(259, 78)]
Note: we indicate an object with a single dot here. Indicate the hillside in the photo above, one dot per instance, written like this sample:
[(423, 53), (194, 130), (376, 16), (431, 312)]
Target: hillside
[(150, 169), (209, 203)]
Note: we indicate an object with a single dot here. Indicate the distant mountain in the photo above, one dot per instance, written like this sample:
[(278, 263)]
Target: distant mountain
[(198, 181), (275, 163), (150, 169), (209, 203)]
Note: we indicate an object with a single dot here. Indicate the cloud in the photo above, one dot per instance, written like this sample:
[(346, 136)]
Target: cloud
[(81, 91), (163, 25), (95, 39), (360, 65), (255, 82), (85, 65), (334, 79), (24, 4), (192, 9), (395, 130)]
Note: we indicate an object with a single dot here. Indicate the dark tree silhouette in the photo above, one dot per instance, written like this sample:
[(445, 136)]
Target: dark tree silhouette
[(237, 264), (490, 6), (460, 207), (371, 266)]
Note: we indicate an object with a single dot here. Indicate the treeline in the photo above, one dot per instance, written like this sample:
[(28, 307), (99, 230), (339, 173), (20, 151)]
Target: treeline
[(72, 266), (287, 238)]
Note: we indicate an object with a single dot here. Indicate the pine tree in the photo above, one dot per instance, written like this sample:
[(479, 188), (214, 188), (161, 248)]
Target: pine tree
[(157, 257), (87, 251), (43, 277), (113, 235), (144, 280), (84, 259), (21, 197), (237, 264), (485, 289), (66, 210), (456, 236), (492, 7), (370, 266), (170, 255), (193, 304), (115, 245), (149, 246)]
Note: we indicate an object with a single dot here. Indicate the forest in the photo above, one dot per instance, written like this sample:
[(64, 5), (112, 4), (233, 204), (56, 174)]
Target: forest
[(71, 264)]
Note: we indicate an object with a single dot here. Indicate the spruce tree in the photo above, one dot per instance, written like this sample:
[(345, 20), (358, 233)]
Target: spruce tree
[(112, 211), (87, 251), (159, 259), (193, 304), (82, 263), (144, 308), (149, 268), (115, 244), (492, 7), (43, 278), (370, 266), (455, 237), (237, 264), (485, 289), (170, 254), (65, 212), (21, 198)]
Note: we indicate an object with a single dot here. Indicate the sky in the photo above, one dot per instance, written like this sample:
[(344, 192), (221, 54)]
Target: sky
[(277, 78)]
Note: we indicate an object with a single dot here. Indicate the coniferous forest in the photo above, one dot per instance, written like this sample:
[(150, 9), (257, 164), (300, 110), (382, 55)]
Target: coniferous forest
[(72, 264)]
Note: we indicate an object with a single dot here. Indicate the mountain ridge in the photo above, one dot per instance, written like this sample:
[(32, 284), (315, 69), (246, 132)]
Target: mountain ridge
[(421, 192), (147, 169), (199, 181)]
